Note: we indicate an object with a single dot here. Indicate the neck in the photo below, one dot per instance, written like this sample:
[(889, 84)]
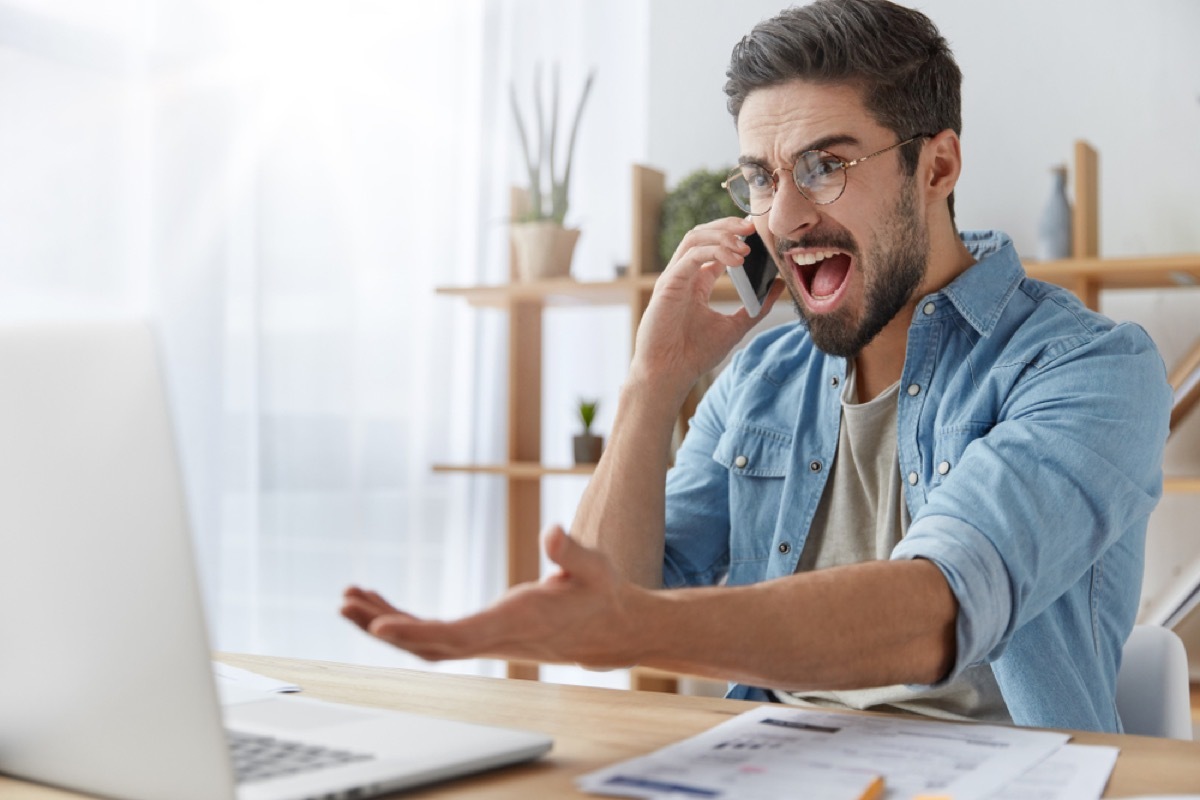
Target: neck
[(881, 362)]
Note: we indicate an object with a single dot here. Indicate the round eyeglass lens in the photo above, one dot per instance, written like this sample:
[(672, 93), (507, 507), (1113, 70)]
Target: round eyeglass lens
[(739, 190), (752, 188), (820, 176)]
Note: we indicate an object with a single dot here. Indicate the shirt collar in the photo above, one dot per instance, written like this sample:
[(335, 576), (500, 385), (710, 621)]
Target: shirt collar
[(981, 293)]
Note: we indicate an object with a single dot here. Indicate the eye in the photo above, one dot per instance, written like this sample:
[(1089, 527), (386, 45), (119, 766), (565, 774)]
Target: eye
[(757, 179), (818, 166)]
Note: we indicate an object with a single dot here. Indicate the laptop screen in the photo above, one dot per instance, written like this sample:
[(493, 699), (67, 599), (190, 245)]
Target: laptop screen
[(105, 683)]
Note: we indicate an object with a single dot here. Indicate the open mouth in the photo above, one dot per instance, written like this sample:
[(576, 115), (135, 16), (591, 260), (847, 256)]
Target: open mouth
[(822, 272)]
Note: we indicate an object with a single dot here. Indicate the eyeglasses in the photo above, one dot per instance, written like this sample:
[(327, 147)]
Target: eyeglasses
[(819, 175)]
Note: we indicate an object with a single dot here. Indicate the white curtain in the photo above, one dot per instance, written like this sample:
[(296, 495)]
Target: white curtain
[(281, 185), (353, 188)]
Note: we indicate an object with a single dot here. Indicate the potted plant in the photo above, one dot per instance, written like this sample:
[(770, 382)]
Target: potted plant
[(588, 446), (542, 244), (696, 199)]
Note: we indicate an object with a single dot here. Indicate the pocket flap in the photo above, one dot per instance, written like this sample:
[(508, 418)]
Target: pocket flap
[(754, 451)]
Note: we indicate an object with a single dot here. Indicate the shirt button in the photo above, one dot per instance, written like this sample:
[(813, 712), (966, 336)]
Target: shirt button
[(834, 381), (815, 466), (740, 462), (912, 479), (928, 309), (913, 390), (785, 548), (943, 467)]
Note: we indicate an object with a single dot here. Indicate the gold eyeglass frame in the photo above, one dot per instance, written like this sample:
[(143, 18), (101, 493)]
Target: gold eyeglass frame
[(841, 165)]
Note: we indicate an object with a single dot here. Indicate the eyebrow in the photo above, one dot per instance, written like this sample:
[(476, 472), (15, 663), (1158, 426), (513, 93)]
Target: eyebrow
[(823, 143)]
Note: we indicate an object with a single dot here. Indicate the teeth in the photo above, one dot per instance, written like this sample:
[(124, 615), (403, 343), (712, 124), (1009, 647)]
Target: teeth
[(808, 259)]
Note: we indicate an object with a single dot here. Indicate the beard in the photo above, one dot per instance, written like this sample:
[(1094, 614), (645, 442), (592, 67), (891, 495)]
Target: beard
[(892, 271)]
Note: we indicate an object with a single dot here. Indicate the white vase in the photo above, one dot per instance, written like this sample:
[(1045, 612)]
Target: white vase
[(1054, 228), (543, 249)]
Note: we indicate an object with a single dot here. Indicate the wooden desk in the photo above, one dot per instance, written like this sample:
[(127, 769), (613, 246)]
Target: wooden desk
[(593, 728)]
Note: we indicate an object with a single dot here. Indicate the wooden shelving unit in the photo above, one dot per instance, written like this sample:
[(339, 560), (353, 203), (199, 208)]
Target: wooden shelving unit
[(569, 292), (1085, 273), (1087, 277), (515, 471), (1181, 484)]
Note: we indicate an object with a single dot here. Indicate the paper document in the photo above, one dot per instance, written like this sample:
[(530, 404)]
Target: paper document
[(773, 751), (1074, 772), (236, 685)]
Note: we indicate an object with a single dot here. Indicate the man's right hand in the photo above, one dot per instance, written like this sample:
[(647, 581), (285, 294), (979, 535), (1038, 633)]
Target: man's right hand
[(622, 512), (681, 336)]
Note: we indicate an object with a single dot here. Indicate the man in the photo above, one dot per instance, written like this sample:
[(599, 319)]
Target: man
[(930, 495)]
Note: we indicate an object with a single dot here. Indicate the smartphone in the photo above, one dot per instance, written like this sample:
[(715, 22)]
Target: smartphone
[(754, 278)]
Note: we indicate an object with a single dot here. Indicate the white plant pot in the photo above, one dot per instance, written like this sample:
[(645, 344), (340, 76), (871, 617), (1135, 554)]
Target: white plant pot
[(543, 249)]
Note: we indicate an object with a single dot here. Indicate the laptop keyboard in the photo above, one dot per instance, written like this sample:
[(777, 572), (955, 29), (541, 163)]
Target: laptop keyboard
[(257, 758)]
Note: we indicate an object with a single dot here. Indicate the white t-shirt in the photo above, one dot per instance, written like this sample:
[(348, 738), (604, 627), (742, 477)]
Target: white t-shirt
[(861, 517)]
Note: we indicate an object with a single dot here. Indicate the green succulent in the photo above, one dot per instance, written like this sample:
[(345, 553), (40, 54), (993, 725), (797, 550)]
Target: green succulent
[(697, 199), (587, 413)]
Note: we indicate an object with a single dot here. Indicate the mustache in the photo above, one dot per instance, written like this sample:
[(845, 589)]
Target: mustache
[(818, 240)]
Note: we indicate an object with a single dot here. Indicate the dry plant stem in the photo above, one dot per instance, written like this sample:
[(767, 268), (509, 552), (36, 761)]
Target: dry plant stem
[(531, 166), (544, 162), (566, 181)]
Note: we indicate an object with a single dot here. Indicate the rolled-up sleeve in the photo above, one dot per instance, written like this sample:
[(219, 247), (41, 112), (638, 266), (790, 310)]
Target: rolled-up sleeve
[(976, 574), (1072, 464)]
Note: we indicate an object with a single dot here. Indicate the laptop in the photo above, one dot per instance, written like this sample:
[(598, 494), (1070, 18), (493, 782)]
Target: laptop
[(106, 682)]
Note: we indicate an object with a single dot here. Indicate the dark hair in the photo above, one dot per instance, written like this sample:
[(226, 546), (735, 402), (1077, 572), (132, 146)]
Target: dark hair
[(909, 80)]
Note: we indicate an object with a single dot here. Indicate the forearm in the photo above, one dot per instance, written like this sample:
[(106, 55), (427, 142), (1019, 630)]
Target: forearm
[(680, 337), (622, 510), (872, 624)]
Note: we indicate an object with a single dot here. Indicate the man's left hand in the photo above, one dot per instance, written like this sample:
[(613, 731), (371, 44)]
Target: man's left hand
[(584, 614)]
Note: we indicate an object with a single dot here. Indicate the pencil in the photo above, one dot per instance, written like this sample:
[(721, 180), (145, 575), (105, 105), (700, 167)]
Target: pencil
[(875, 790)]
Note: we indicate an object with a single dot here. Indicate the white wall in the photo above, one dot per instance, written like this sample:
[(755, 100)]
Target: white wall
[(1038, 74), (1126, 78)]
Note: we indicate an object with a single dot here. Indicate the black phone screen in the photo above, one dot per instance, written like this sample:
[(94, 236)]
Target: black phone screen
[(759, 266)]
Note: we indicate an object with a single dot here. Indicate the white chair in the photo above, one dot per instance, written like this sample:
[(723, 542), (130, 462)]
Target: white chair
[(1152, 686)]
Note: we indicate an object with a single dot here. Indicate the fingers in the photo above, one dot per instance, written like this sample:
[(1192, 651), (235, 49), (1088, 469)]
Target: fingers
[(362, 607), (574, 616), (716, 242), (431, 640), (576, 560), (368, 599), (428, 639)]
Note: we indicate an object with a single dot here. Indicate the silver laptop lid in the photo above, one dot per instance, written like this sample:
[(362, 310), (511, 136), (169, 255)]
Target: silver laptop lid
[(105, 679)]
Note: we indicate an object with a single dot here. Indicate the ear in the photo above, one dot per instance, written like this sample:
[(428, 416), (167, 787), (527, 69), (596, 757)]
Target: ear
[(941, 164)]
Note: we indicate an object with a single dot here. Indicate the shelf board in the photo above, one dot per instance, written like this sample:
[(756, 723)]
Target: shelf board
[(1138, 272), (1181, 484), (569, 292), (516, 469), (529, 470), (553, 292)]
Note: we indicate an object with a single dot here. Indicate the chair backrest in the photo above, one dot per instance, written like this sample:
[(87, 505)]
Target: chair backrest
[(1152, 686)]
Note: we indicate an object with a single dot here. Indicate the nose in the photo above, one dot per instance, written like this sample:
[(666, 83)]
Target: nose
[(791, 213)]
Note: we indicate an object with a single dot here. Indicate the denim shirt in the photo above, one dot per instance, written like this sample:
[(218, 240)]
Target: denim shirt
[(1031, 434)]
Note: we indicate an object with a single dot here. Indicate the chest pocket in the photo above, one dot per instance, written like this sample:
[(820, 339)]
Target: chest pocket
[(758, 460)]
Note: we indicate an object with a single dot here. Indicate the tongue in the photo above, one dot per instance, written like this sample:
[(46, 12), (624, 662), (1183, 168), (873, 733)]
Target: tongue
[(829, 275)]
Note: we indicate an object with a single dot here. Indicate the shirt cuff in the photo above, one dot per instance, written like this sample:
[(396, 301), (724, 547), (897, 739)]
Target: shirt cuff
[(977, 576)]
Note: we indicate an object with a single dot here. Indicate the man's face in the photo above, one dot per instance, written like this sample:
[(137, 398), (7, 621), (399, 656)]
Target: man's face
[(853, 264)]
